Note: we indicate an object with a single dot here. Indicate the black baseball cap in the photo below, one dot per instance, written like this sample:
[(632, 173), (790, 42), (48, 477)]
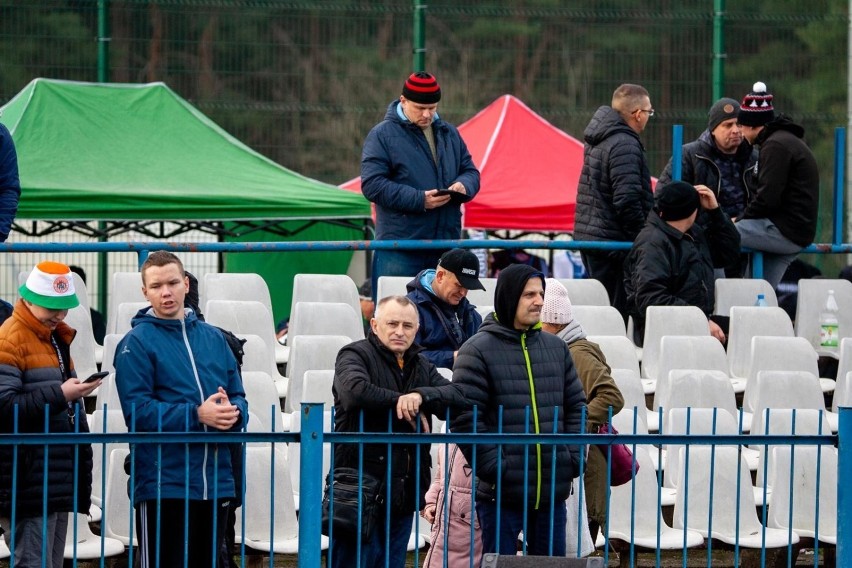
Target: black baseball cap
[(465, 265)]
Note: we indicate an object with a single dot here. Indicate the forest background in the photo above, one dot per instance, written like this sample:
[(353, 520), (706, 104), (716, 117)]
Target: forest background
[(303, 82)]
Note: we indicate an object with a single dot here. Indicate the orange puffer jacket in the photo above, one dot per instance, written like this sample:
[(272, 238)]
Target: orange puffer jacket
[(30, 385)]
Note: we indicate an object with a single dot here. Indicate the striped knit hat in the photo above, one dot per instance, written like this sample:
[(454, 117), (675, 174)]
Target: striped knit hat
[(50, 286), (422, 88), (756, 108)]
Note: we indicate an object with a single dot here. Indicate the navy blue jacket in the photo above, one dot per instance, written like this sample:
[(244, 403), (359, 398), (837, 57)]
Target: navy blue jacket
[(397, 167), (443, 328), (166, 369), (10, 184)]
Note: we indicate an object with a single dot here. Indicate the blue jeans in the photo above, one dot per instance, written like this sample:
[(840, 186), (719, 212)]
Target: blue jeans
[(536, 533), (344, 551), (28, 540), (402, 263)]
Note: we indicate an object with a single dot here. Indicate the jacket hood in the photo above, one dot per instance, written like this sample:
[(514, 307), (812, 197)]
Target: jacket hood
[(510, 285), (604, 124), (781, 122)]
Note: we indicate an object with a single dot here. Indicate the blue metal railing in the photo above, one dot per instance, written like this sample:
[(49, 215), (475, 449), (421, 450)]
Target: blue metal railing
[(313, 438)]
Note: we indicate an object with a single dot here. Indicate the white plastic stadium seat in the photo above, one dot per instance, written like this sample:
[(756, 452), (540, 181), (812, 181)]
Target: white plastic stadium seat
[(234, 286), (668, 320), (392, 286), (310, 353), (246, 317), (585, 292), (732, 292), (599, 320), (126, 287), (811, 301), (325, 288), (325, 318), (686, 352), (748, 322)]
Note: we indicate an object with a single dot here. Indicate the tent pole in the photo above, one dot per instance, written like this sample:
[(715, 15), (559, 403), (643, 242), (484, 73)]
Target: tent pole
[(419, 37), (103, 77)]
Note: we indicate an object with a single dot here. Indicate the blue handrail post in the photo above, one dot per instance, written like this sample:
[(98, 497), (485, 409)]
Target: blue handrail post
[(839, 183), (757, 264), (844, 492), (677, 152), (310, 474)]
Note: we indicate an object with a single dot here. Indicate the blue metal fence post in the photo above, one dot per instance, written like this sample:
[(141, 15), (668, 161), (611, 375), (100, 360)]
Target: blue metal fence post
[(844, 492), (839, 183), (677, 152), (311, 484)]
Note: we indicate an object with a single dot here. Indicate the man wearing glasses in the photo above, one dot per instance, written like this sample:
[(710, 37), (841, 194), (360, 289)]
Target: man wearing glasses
[(614, 194)]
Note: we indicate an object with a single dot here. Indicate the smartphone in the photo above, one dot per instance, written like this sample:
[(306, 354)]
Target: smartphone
[(444, 192), (95, 376)]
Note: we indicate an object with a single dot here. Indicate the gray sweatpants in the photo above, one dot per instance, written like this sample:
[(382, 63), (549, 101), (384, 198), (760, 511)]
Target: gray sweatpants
[(778, 251)]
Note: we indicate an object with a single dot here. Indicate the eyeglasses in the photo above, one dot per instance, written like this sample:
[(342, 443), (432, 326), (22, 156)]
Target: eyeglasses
[(650, 111)]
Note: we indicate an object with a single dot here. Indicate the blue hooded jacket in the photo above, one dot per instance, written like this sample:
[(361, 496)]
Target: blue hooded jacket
[(397, 168), (164, 370)]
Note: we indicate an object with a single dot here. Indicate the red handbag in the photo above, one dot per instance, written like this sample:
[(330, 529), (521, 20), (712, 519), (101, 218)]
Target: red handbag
[(622, 464)]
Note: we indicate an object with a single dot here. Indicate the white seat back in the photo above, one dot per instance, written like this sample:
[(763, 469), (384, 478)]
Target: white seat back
[(126, 287), (732, 292), (599, 320), (586, 292), (126, 312), (811, 301), (325, 288), (83, 346), (686, 352), (778, 354), (802, 485), (310, 353), (619, 351), (748, 322), (325, 318), (234, 286), (392, 286), (262, 398), (843, 388), (668, 320), (718, 492)]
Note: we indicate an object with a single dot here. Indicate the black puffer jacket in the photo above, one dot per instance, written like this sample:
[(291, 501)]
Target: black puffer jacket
[(698, 166), (668, 268), (367, 377), (522, 372), (614, 194), (787, 182)]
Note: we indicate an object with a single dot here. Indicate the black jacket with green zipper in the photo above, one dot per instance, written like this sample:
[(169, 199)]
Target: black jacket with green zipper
[(531, 375)]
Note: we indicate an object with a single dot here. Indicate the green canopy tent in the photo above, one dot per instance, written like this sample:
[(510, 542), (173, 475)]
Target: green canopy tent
[(132, 156)]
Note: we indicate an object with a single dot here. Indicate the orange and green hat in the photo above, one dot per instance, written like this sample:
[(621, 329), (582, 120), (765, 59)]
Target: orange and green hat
[(50, 286)]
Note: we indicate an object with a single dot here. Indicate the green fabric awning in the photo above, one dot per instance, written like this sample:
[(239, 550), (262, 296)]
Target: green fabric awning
[(109, 151)]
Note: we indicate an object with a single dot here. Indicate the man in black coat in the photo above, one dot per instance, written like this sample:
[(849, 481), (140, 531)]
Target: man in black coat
[(720, 159), (781, 219), (672, 260), (614, 194), (511, 367), (385, 381)]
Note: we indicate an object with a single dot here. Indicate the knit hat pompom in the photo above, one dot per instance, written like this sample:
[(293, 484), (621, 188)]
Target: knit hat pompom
[(756, 108)]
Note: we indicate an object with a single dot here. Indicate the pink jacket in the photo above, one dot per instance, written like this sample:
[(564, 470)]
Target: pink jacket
[(461, 511)]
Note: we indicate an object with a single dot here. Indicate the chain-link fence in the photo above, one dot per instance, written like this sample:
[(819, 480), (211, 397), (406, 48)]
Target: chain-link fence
[(304, 81)]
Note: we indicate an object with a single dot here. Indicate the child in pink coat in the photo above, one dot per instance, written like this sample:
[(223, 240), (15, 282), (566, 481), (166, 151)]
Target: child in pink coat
[(462, 512)]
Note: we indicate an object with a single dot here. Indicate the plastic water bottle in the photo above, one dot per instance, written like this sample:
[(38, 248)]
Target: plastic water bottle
[(761, 301), (828, 332)]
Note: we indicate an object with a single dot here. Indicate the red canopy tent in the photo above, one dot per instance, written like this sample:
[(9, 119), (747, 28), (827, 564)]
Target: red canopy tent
[(529, 169)]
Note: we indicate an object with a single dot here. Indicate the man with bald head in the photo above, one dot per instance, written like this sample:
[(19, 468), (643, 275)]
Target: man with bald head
[(614, 194)]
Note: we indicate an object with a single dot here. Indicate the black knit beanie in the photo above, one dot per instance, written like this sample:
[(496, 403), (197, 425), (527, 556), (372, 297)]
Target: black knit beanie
[(510, 284), (676, 200)]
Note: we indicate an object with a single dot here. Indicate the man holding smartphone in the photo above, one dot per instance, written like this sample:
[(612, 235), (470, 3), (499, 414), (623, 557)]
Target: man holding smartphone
[(417, 170), (40, 393)]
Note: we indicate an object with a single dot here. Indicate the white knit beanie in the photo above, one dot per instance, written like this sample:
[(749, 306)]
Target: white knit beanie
[(557, 305)]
